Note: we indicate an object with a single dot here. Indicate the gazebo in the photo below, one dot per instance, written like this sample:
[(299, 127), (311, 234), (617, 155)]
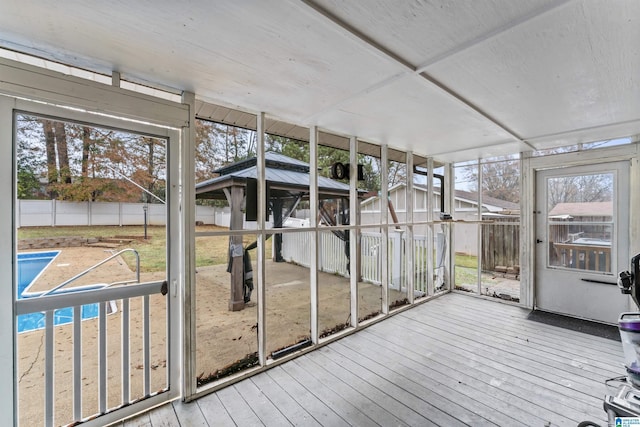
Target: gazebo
[(287, 183)]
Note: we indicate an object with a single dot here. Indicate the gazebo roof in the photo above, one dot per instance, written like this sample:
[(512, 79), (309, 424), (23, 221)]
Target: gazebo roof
[(284, 176)]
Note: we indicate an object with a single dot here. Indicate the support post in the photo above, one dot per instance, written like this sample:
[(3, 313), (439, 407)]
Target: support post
[(278, 222), (479, 229), (354, 221), (313, 205), (236, 251), (431, 268), (384, 244), (262, 217), (187, 166), (408, 238)]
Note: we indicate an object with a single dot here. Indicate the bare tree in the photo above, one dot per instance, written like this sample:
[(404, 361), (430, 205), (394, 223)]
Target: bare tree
[(500, 179), (50, 147), (580, 189), (63, 152)]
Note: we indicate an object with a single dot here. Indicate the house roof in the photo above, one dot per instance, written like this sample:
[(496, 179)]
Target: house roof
[(490, 203), (284, 175), (472, 196), (583, 209)]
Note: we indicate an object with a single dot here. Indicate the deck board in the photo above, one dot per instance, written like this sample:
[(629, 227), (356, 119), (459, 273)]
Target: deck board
[(319, 410), (399, 410), (347, 392), (266, 411), (552, 336), (456, 360), (292, 410), (482, 375), (214, 411), (341, 406), (516, 342), (241, 412), (164, 416), (521, 353), (189, 414)]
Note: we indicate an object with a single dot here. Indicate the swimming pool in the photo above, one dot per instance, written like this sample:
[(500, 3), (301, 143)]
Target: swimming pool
[(30, 266)]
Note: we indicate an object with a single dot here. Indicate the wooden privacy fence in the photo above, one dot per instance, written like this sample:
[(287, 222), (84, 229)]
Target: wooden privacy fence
[(501, 245)]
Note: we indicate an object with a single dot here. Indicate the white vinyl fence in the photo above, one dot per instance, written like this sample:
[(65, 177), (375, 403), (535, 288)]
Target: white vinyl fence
[(296, 248), (51, 213)]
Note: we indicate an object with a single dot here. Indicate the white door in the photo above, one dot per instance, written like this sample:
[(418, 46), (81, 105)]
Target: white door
[(582, 240)]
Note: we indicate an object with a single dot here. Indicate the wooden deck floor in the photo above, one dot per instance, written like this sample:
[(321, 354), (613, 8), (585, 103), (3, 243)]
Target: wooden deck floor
[(456, 360)]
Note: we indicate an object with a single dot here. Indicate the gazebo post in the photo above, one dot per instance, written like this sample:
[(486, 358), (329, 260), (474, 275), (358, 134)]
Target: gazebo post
[(277, 223), (236, 249), (292, 181)]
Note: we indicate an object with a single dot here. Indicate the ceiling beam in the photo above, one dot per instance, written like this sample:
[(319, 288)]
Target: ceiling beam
[(571, 132), (476, 148)]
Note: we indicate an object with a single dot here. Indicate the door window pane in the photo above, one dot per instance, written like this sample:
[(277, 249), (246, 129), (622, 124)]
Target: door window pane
[(580, 222)]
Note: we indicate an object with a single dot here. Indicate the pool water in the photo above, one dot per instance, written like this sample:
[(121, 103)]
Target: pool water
[(30, 266)]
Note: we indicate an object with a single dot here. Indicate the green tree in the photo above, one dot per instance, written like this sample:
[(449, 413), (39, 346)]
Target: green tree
[(28, 182)]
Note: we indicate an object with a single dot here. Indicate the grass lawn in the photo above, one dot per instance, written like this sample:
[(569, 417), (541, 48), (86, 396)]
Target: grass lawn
[(210, 250)]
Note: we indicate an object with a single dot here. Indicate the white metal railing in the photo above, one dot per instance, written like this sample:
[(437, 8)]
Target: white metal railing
[(56, 289), (332, 258), (50, 303)]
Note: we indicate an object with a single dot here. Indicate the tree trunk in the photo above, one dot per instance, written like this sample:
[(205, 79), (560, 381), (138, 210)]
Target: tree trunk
[(86, 147), (151, 165), (50, 144), (63, 153)]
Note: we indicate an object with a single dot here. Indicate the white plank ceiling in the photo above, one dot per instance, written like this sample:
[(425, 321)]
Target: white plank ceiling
[(455, 80)]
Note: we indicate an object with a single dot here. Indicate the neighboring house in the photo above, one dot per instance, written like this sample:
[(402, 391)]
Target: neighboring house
[(569, 221), (465, 204), (580, 235), (586, 211), (465, 208)]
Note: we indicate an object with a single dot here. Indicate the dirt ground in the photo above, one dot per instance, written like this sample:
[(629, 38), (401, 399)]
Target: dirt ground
[(223, 337)]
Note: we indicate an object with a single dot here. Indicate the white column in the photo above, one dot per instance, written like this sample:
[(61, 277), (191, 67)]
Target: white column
[(408, 240), (313, 216), (186, 241), (527, 224), (354, 241), (7, 415), (262, 209), (430, 229), (449, 201), (479, 229), (384, 211)]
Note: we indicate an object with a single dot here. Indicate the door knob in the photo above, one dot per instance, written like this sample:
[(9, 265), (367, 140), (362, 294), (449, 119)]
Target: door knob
[(538, 241)]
